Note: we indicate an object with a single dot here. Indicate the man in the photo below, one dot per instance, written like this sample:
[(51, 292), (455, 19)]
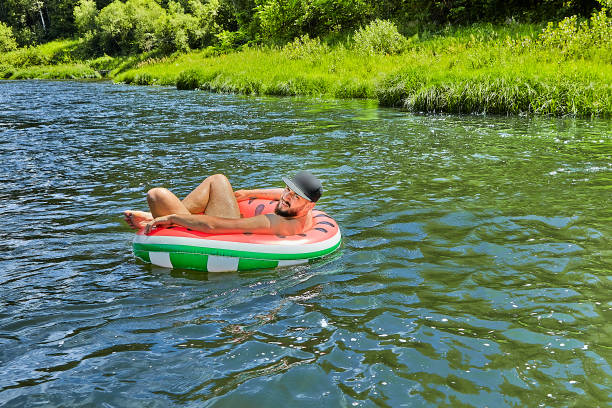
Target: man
[(213, 207)]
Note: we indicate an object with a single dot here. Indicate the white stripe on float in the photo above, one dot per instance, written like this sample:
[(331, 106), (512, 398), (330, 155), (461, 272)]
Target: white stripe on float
[(160, 259), (241, 246), (222, 263), (291, 262)]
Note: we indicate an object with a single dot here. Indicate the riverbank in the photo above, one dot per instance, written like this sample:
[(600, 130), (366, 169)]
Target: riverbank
[(481, 69)]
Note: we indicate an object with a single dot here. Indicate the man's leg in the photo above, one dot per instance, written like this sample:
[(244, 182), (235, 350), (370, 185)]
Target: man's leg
[(161, 202), (214, 196)]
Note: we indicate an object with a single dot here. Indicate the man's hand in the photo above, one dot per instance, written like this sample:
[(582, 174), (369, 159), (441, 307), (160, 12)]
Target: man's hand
[(164, 221), (242, 195)]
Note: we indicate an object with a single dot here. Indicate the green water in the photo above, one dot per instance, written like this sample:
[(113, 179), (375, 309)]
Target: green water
[(473, 272)]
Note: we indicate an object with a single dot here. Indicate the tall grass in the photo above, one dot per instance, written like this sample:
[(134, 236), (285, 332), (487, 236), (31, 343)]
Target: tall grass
[(480, 69)]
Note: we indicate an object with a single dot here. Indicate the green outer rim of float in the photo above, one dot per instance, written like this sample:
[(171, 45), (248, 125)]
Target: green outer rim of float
[(188, 249)]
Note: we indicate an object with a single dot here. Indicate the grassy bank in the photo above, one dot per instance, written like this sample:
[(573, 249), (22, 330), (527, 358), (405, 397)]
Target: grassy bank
[(481, 69)]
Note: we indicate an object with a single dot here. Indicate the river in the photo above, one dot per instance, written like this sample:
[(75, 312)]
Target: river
[(474, 269)]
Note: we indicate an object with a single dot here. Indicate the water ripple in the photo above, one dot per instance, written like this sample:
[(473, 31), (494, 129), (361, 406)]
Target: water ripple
[(474, 270)]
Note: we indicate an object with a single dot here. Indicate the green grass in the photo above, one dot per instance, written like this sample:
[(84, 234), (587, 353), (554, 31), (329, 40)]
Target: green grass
[(480, 69)]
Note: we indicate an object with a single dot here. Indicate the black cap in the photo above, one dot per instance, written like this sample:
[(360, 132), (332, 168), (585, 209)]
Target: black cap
[(305, 185)]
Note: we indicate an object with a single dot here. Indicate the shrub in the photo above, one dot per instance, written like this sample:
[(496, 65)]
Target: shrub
[(188, 80), (104, 63), (6, 71), (379, 37), (231, 39), (305, 47), (580, 39), (7, 39)]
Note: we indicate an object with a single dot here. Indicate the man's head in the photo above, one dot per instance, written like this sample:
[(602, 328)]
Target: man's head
[(300, 195)]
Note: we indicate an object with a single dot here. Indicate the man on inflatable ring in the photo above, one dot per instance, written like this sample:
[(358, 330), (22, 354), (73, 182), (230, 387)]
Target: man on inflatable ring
[(213, 208)]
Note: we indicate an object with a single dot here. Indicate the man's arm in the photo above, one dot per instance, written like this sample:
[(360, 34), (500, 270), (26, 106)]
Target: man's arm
[(260, 224), (266, 194)]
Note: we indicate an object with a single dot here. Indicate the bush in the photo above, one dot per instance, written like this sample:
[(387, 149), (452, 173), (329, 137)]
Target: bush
[(7, 39), (188, 80), (580, 39), (229, 40), (6, 71), (305, 47), (380, 37)]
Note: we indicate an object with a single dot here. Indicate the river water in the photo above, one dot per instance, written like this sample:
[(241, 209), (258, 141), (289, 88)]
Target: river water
[(474, 269)]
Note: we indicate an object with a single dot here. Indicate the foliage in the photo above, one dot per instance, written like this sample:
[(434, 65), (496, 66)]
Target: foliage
[(70, 71), (379, 37), (272, 21), (572, 38), (187, 80), (85, 15), (279, 18), (129, 26), (143, 26), (579, 39), (206, 28), (229, 40), (56, 52), (305, 47), (7, 39), (467, 70), (286, 19), (173, 28), (463, 70)]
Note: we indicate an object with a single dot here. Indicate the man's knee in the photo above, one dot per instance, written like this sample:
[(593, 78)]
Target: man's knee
[(218, 179), (157, 194)]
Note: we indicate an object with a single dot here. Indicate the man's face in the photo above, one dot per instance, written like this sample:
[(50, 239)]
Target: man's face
[(291, 204)]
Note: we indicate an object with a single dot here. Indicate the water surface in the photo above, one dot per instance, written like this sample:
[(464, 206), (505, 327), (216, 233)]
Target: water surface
[(474, 269)]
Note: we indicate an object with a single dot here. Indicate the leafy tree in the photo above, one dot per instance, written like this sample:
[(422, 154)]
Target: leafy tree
[(85, 15), (7, 39), (131, 25), (128, 27)]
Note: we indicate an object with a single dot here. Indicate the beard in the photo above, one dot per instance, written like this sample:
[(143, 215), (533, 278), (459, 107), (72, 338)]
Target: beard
[(284, 213)]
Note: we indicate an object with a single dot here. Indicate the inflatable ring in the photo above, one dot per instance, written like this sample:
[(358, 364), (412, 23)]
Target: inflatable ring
[(179, 247)]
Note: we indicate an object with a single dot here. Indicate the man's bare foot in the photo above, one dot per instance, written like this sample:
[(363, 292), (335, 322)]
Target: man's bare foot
[(137, 219)]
